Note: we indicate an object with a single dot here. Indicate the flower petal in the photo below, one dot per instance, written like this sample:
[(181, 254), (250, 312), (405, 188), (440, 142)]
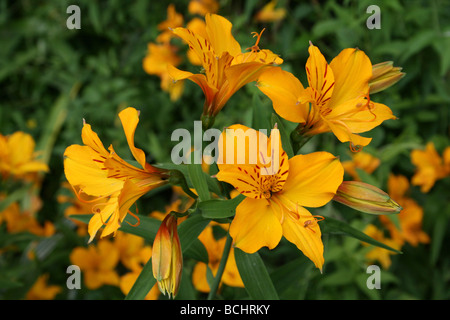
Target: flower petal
[(82, 169), (320, 76), (284, 89), (352, 71), (219, 35), (130, 119), (305, 233), (255, 225), (313, 179)]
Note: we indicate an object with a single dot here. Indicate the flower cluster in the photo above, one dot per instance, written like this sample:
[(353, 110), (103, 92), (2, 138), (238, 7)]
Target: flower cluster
[(278, 186)]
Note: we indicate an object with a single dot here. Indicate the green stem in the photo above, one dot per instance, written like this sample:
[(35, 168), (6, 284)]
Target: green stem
[(223, 262)]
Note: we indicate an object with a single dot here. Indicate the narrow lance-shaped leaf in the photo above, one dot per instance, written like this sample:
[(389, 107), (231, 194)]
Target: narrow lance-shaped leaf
[(255, 276), (333, 225)]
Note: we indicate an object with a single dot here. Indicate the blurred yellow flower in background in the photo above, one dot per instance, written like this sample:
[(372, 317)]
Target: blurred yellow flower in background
[(158, 57), (363, 161), (17, 156), (20, 221), (41, 290), (215, 248), (98, 263), (269, 13), (411, 216), (429, 166), (377, 253), (174, 20), (202, 7)]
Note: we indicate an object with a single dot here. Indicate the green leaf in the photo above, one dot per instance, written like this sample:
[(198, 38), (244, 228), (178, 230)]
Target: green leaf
[(190, 229), (439, 229), (255, 276), (285, 137), (217, 209), (333, 225), (143, 284), (198, 181)]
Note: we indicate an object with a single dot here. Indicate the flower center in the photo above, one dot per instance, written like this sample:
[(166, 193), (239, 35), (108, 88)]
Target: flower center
[(270, 184)]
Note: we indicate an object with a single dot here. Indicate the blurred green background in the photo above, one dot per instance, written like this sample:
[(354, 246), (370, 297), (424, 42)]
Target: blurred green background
[(51, 78)]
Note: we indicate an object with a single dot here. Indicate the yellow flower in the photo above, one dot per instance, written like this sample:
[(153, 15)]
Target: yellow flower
[(202, 7), (336, 100), (132, 250), (159, 56), (133, 255), (429, 166), (361, 160), (380, 254), (226, 68), (21, 221), (17, 156), (98, 264), (269, 14), (231, 276), (42, 291), (174, 20), (410, 217), (276, 195), (102, 174), (167, 258)]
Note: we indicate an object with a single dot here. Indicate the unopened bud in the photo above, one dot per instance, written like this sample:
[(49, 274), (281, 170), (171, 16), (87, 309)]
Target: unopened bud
[(384, 75), (366, 198), (167, 258)]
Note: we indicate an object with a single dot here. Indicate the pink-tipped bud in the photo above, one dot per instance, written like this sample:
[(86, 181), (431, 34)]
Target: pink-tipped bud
[(384, 75), (167, 258), (366, 198)]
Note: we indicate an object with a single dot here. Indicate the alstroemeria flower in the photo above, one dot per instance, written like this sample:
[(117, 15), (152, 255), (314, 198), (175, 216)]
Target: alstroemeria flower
[(336, 100), (174, 20), (203, 7), (377, 253), (215, 247), (274, 203), (410, 218), (18, 157), (268, 13), (155, 63), (430, 166), (226, 68), (98, 263), (362, 161), (97, 172)]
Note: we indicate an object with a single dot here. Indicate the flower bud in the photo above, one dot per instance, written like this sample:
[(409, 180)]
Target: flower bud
[(366, 198), (384, 75), (167, 258)]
